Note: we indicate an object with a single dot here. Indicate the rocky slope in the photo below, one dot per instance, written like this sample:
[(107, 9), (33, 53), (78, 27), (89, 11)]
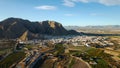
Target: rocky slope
[(12, 28)]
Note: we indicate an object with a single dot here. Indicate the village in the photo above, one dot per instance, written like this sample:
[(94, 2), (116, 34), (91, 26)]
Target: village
[(35, 49)]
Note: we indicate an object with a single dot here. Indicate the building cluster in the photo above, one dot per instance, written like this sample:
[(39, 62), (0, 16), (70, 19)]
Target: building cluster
[(95, 41)]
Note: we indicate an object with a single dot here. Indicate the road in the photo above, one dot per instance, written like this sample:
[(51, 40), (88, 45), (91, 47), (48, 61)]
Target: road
[(31, 59), (39, 59)]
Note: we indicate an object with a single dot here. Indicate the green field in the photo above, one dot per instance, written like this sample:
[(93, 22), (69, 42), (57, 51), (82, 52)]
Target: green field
[(3, 51), (86, 53), (101, 64), (59, 49), (11, 59)]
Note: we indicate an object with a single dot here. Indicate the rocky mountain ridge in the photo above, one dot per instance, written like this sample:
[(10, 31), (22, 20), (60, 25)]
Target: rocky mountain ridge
[(13, 28)]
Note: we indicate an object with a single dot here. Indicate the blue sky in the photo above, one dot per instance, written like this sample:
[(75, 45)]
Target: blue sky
[(67, 12)]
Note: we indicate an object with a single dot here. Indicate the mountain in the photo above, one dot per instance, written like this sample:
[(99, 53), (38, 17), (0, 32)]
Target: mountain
[(12, 28)]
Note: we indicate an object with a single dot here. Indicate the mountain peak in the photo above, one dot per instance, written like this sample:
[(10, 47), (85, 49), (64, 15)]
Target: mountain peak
[(12, 19), (53, 24)]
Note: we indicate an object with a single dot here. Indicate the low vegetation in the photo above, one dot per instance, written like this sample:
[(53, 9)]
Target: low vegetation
[(59, 49), (72, 63), (115, 40), (119, 56), (12, 59), (29, 47), (101, 64), (95, 57)]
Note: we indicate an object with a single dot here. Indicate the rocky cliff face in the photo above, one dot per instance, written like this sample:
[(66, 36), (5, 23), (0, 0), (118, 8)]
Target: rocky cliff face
[(53, 28), (15, 28)]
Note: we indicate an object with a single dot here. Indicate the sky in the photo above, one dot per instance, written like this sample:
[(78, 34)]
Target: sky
[(66, 12)]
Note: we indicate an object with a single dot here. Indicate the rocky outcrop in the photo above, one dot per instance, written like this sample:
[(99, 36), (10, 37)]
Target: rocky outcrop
[(53, 28)]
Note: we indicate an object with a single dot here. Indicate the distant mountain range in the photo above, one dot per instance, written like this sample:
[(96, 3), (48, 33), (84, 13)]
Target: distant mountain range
[(106, 30), (13, 28), (93, 27)]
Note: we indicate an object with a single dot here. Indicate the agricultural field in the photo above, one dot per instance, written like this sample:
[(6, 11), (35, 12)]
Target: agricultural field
[(96, 57), (12, 59)]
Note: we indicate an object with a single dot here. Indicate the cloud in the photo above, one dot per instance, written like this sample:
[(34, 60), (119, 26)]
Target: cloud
[(71, 3), (46, 7), (69, 14), (110, 2), (96, 14), (84, 1)]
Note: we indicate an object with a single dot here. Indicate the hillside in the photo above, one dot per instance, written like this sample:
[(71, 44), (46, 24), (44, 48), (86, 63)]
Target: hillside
[(13, 28)]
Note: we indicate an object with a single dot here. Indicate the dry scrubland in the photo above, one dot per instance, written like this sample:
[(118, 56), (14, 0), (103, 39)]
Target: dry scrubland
[(100, 31)]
